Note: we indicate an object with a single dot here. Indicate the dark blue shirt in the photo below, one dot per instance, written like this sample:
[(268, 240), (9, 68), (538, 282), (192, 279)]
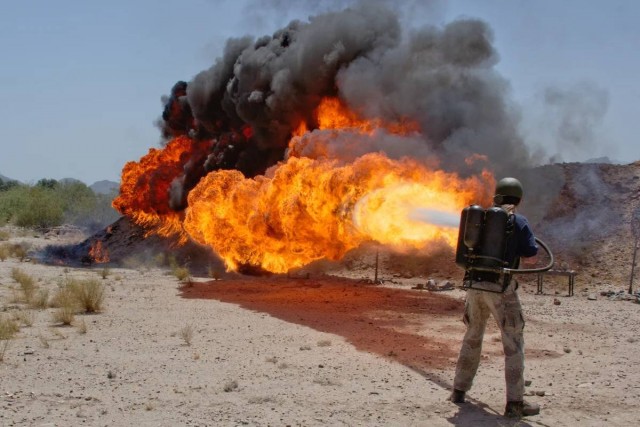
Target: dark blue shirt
[(523, 243)]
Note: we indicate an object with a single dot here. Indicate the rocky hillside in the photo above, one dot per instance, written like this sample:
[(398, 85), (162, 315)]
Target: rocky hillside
[(584, 212)]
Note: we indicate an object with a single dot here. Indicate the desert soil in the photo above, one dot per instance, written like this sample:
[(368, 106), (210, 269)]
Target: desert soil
[(304, 351)]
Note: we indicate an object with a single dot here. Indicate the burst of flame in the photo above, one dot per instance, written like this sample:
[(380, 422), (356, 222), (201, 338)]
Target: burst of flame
[(144, 187), (311, 209), (306, 209), (303, 208)]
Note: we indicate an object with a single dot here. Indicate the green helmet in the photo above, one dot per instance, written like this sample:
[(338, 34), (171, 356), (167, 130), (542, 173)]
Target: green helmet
[(509, 187)]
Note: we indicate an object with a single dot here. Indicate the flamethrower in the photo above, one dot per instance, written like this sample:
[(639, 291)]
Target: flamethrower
[(483, 239)]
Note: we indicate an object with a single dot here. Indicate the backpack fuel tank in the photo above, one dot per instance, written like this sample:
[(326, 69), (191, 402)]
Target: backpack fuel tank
[(482, 242)]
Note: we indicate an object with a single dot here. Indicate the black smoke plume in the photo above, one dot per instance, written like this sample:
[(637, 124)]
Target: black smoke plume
[(253, 97)]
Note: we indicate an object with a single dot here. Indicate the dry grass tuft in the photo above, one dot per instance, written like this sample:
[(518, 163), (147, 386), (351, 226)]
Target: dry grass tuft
[(77, 296), (89, 294), (4, 252), (214, 273), (4, 235), (82, 327), (19, 250), (186, 333), (40, 300), (26, 282), (25, 317), (4, 345), (66, 306), (8, 328), (182, 274)]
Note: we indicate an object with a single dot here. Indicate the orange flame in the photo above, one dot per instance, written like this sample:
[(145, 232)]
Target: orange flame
[(311, 205), (306, 209), (98, 253), (144, 189), (311, 209), (333, 114)]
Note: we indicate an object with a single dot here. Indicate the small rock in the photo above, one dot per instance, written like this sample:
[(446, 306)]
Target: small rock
[(556, 301), (592, 297), (567, 350), (527, 383), (540, 393), (446, 286)]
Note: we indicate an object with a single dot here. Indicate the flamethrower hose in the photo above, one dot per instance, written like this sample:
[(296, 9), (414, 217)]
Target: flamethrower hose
[(534, 270)]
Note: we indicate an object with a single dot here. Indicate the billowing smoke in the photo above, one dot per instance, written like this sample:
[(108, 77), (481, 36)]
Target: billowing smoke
[(569, 122), (249, 103)]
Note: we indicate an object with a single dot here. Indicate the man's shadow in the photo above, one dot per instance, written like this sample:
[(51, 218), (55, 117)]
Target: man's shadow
[(475, 413)]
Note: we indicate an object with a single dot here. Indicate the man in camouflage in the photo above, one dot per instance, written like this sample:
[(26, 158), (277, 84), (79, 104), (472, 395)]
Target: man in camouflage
[(506, 310)]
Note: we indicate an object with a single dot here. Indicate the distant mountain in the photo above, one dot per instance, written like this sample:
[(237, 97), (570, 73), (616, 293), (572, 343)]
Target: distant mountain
[(105, 187), (6, 178)]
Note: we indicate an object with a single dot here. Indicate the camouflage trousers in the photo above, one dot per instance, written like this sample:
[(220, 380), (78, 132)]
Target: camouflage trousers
[(507, 312)]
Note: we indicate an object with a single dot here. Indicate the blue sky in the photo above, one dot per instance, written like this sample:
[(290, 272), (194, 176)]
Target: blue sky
[(82, 80)]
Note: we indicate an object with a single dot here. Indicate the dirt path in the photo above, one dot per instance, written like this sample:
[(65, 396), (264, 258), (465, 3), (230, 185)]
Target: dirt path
[(318, 351)]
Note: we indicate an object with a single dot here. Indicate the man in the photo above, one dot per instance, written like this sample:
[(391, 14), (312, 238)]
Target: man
[(505, 308)]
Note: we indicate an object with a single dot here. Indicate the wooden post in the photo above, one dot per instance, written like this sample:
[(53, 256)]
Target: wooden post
[(375, 277), (633, 264)]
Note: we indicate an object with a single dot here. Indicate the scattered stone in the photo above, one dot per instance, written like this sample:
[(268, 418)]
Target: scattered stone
[(567, 350), (592, 297), (621, 295), (540, 393), (527, 383), (446, 285), (556, 301), (431, 285)]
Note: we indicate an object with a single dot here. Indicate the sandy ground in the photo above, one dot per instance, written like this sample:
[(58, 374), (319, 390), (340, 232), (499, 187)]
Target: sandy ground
[(304, 352)]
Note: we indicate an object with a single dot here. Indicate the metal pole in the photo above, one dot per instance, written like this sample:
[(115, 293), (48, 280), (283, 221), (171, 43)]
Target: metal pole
[(633, 264)]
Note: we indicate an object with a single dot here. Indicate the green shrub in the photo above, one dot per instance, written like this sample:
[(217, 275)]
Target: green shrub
[(50, 203)]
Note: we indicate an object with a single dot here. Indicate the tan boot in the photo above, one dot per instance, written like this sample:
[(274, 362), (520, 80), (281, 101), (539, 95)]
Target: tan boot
[(521, 409)]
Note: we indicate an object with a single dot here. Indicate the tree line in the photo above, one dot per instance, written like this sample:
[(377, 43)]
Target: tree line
[(50, 203)]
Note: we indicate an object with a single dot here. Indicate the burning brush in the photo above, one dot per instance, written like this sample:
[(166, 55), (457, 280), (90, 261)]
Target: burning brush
[(305, 144)]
